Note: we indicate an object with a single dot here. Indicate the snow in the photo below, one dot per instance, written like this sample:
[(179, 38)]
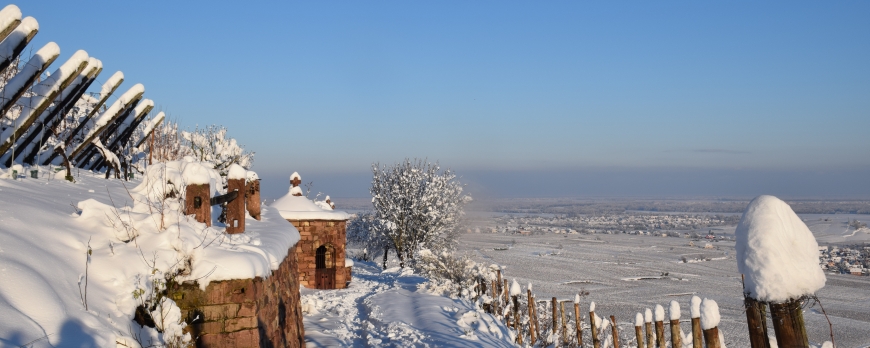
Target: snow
[(638, 320), (348, 262), (43, 93), (252, 176), (696, 307), (41, 58), (111, 84), (151, 124), (776, 252), (112, 112), (674, 310), (576, 297), (390, 308), (47, 226), (301, 208), (196, 173), (709, 314), (647, 315), (236, 172), (660, 313), (529, 287), (17, 36), (515, 288), (9, 15), (295, 175), (592, 306)]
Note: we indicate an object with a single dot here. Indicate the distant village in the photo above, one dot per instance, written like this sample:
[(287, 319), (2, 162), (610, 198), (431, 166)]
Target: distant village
[(853, 259), (667, 225)]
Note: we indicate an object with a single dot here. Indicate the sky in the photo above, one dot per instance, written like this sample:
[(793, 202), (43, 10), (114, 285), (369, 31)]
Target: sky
[(521, 99)]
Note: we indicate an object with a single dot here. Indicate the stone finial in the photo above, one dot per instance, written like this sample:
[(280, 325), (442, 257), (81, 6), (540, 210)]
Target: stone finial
[(295, 180)]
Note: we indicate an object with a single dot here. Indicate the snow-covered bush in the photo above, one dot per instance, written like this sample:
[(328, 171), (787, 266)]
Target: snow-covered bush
[(366, 232), (420, 205), (451, 275)]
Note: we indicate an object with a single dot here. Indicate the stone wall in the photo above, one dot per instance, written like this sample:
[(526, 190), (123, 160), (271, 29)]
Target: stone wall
[(245, 312), (315, 233)]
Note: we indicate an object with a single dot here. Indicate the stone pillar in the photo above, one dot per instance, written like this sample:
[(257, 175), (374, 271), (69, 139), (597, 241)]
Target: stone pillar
[(236, 207), (198, 203), (252, 198)]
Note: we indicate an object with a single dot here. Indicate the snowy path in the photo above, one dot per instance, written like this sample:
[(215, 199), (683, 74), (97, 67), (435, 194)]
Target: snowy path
[(384, 309)]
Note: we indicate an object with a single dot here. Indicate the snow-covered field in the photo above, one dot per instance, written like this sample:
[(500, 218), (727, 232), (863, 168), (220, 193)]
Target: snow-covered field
[(625, 274), (384, 308)]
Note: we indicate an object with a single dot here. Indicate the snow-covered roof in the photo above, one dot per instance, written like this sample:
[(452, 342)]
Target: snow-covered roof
[(301, 208)]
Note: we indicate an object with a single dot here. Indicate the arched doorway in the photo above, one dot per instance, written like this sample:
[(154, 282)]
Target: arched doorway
[(324, 271)]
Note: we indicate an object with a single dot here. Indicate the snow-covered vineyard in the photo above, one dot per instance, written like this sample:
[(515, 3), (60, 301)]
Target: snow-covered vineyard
[(118, 229)]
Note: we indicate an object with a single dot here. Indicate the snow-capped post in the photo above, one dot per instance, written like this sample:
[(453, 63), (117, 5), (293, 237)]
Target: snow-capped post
[(515, 294), (10, 18), (127, 100), (676, 332), (295, 180), (498, 287), (252, 194), (236, 208), (506, 302), (697, 341), (778, 258), (593, 326), (577, 327), (638, 329), (660, 326), (710, 323), (647, 326)]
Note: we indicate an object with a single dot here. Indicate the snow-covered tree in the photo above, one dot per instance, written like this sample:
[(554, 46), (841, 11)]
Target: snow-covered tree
[(367, 232), (420, 206), (212, 144)]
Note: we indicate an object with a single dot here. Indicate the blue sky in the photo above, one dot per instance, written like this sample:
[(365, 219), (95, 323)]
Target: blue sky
[(521, 98)]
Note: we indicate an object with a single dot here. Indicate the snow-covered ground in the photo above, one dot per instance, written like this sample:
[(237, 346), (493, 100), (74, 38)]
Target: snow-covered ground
[(384, 308), (76, 259), (625, 274)]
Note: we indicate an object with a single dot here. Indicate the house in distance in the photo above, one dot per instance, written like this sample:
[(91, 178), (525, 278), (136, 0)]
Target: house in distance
[(320, 253)]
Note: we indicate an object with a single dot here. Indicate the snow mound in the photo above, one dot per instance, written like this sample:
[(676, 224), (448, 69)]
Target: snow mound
[(660, 313), (301, 208), (776, 252), (709, 314), (638, 320), (515, 288), (674, 310), (696, 307), (647, 315), (236, 172)]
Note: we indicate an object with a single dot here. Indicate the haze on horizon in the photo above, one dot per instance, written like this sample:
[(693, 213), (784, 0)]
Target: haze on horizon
[(521, 99)]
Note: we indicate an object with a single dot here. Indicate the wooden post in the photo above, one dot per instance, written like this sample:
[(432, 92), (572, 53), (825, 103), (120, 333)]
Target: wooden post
[(517, 325), (696, 333), (555, 318), (252, 199), (660, 334), (756, 319), (236, 208), (676, 338), (531, 318), (788, 324), (495, 306), (638, 333), (504, 288), (196, 203), (711, 337), (596, 343), (564, 322), (615, 331), (647, 326), (577, 326)]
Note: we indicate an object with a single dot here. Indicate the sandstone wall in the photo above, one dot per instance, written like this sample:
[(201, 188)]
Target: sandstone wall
[(246, 312)]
